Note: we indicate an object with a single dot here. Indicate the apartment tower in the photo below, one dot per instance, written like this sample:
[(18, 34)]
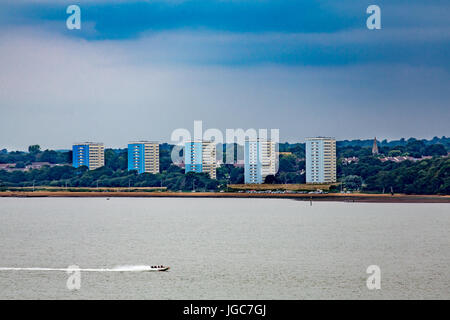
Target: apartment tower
[(260, 160), (320, 160), (143, 156), (89, 154), (200, 156)]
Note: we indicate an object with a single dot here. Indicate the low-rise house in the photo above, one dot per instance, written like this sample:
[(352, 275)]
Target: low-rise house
[(350, 160), (7, 166), (39, 165), (404, 158), (33, 166)]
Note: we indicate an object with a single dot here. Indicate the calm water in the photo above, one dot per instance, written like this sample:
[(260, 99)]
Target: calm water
[(224, 248)]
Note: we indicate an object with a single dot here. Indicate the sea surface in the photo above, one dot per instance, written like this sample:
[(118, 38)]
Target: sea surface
[(222, 248)]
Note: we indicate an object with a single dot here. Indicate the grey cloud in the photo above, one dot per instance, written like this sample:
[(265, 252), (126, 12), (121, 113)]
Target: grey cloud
[(54, 91)]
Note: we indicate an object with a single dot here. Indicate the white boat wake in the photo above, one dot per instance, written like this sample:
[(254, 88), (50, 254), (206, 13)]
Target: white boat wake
[(130, 268)]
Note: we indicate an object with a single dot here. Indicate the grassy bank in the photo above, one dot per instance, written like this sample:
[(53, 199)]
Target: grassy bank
[(286, 187)]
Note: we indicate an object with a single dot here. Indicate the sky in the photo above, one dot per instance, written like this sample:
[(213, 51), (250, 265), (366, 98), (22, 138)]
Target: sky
[(138, 70)]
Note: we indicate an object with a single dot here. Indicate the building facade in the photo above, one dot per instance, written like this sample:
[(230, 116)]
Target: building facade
[(260, 160), (200, 156), (143, 156), (320, 160), (89, 154)]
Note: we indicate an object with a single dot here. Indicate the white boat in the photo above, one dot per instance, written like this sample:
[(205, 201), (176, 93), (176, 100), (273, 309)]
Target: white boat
[(158, 268)]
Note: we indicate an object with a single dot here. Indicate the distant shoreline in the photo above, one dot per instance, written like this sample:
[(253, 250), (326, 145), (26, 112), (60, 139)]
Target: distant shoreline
[(380, 198)]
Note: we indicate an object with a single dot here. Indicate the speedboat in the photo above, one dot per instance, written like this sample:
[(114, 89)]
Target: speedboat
[(158, 268)]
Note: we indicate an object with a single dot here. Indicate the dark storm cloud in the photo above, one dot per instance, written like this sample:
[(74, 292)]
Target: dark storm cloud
[(413, 32)]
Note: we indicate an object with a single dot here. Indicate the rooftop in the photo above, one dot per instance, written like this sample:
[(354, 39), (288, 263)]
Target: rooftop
[(320, 138), (142, 142), (88, 143)]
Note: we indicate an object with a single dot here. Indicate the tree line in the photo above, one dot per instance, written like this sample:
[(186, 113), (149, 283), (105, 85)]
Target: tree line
[(430, 176)]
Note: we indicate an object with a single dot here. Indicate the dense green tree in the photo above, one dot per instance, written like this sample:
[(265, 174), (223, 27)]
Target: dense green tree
[(34, 149), (116, 159), (352, 182), (288, 164), (20, 165), (49, 156), (270, 179), (435, 150), (394, 153)]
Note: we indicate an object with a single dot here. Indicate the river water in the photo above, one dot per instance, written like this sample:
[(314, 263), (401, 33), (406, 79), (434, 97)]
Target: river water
[(222, 248)]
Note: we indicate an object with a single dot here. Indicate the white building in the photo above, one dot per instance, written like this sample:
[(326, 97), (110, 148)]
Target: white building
[(260, 160), (200, 156), (320, 160)]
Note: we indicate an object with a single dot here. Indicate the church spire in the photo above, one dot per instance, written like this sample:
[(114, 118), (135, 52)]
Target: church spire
[(375, 147)]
